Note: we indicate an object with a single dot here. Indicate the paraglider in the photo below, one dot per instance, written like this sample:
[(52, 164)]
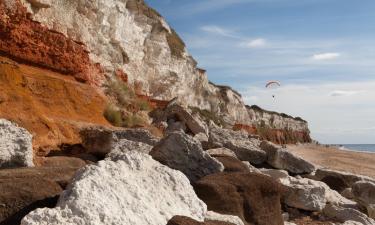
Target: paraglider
[(273, 84)]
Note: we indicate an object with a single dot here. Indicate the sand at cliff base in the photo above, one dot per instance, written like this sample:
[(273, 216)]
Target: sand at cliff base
[(333, 158)]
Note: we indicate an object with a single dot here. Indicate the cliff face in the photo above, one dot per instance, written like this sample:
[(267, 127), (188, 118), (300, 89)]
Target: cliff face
[(130, 37), (49, 105)]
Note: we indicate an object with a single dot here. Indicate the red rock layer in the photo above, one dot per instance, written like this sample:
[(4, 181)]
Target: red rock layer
[(28, 41), (278, 136), (50, 106)]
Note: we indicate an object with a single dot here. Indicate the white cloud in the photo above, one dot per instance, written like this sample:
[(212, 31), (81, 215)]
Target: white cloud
[(256, 43), (218, 30), (326, 56), (339, 93)]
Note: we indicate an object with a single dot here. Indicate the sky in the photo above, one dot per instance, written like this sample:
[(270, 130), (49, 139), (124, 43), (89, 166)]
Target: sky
[(321, 51)]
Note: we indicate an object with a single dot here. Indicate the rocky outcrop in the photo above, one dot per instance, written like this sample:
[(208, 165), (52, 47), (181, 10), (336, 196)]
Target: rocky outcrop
[(182, 152), (52, 107), (135, 189), (245, 148), (255, 198), (15, 145), (281, 158), (123, 146)]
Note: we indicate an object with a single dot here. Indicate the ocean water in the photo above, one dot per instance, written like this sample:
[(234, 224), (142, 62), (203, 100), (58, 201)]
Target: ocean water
[(358, 147)]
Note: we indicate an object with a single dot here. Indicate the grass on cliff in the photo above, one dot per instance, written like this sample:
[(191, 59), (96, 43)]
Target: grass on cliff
[(126, 107)]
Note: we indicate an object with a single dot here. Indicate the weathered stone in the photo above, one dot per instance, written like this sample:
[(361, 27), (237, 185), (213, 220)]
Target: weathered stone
[(343, 214), (250, 167), (246, 149), (255, 198), (133, 190), (15, 146), (179, 118), (19, 196), (231, 164), (183, 220), (282, 159), (123, 146), (338, 180), (62, 161), (181, 152), (304, 194), (102, 140), (221, 151), (364, 194), (213, 216), (137, 135), (347, 193), (276, 174)]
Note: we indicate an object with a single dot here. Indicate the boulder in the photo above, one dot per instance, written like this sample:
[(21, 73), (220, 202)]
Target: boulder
[(15, 146), (250, 167), (255, 198), (100, 140), (184, 220), (245, 148), (25, 189), (176, 113), (62, 161), (351, 222), (135, 189), (122, 146), (338, 180), (182, 152), (137, 135), (364, 194), (221, 151), (275, 174), (347, 193), (343, 214), (213, 216), (21, 195), (280, 158), (232, 164), (304, 194)]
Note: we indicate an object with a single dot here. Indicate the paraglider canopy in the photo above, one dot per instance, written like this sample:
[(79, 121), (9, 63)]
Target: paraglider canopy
[(272, 83)]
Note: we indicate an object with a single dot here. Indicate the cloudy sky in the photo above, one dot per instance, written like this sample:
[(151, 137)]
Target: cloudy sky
[(322, 51)]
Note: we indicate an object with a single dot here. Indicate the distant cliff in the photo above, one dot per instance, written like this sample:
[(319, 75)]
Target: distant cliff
[(127, 36)]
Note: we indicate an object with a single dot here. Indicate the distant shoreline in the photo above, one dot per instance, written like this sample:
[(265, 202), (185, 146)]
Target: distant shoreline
[(352, 161)]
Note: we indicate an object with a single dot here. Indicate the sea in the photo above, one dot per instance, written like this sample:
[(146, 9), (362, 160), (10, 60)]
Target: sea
[(357, 147)]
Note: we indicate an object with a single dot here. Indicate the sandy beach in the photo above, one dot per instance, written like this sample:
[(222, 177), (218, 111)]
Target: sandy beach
[(334, 158)]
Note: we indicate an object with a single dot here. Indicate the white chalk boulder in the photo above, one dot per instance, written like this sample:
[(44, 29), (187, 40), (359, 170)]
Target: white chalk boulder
[(135, 189), (15, 146)]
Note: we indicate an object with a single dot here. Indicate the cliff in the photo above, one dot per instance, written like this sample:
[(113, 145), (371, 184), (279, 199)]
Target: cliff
[(131, 38)]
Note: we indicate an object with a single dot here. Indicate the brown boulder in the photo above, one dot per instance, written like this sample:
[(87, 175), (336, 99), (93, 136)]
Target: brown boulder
[(21, 195), (255, 198), (183, 220), (231, 164), (25, 189)]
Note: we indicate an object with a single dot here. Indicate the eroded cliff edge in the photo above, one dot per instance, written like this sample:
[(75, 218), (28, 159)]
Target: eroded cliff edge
[(107, 36)]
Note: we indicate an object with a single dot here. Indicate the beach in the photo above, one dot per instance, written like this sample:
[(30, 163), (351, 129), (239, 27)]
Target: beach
[(362, 163)]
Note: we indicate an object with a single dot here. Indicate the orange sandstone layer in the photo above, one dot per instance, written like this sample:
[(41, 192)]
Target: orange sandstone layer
[(49, 105), (278, 136), (28, 41)]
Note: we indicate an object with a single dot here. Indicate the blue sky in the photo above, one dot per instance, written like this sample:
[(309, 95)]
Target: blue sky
[(322, 51)]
